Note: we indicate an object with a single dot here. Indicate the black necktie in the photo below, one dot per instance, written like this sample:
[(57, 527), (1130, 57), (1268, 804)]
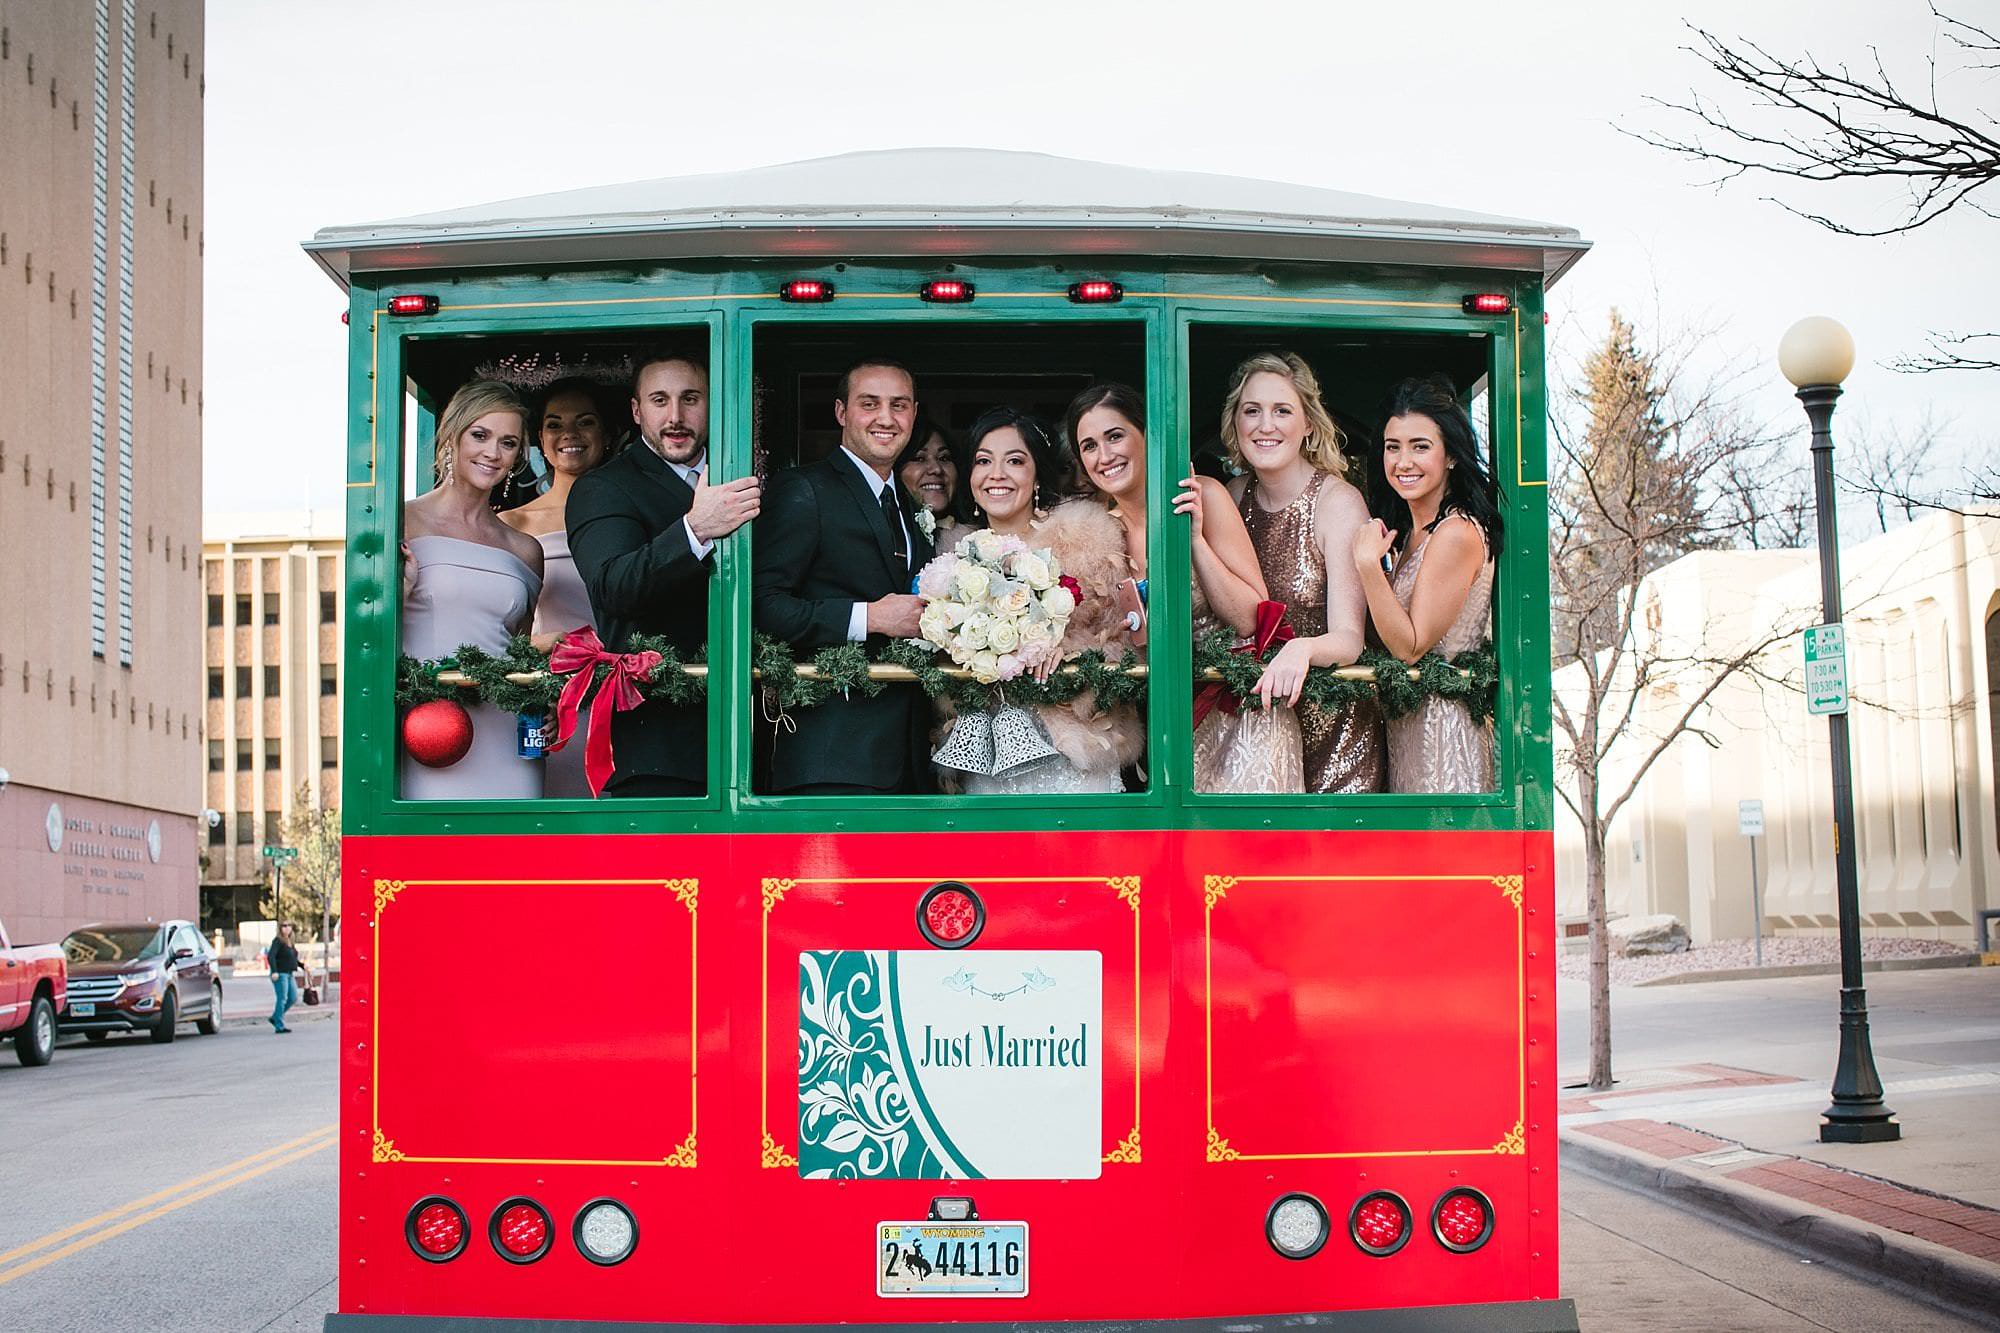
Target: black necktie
[(894, 514)]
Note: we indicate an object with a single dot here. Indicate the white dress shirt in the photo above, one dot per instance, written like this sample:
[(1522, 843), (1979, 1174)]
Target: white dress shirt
[(691, 473), (857, 618)]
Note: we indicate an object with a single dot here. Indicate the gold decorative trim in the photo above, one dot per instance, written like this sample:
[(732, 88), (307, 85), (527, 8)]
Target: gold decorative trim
[(686, 891), (1127, 1151), (1510, 887), (1214, 888), (775, 891), (1513, 1143), (386, 891), (683, 1155), (1127, 889), (775, 1156), (385, 1148), (1219, 1149)]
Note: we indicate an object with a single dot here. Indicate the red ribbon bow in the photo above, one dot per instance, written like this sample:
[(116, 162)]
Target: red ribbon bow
[(577, 655), (1272, 627)]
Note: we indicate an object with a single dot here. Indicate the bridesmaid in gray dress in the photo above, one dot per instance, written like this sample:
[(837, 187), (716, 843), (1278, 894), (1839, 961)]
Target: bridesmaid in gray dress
[(469, 578), (1438, 511), (574, 431)]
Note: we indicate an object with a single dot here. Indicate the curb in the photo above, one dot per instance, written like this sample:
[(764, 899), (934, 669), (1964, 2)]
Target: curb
[(319, 1013), (1812, 970), (1936, 1273)]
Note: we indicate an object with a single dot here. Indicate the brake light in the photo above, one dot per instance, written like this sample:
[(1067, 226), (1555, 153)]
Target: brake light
[(806, 289), (1488, 303), (1462, 1220), (1096, 291), (436, 1229), (413, 305), (950, 915), (1380, 1223), (520, 1231), (946, 291)]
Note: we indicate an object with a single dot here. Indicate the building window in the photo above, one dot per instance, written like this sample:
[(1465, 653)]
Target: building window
[(329, 752), (242, 755), (243, 609), (273, 753), (218, 836), (215, 756), (215, 682), (246, 828), (215, 610), (270, 682), (329, 605), (271, 604), (274, 829), (329, 679), (243, 682)]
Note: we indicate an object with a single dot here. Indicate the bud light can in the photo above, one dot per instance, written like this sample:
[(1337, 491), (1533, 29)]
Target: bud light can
[(534, 736)]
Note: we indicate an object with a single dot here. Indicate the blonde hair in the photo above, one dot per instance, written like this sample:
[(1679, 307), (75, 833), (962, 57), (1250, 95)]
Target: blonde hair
[(1323, 441), (474, 400)]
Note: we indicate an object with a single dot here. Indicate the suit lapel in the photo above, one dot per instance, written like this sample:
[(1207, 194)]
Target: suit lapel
[(870, 504), (656, 468)]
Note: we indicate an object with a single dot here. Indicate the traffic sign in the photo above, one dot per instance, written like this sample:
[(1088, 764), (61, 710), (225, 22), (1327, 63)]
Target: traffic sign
[(1750, 818), (1826, 669), (281, 853)]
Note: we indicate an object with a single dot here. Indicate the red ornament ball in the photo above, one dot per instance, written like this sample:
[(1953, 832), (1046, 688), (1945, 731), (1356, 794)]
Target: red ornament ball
[(437, 734)]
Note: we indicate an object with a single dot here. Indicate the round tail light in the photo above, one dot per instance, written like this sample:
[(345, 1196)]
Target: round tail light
[(521, 1231), (1462, 1220), (605, 1232), (1296, 1226), (1380, 1223), (950, 915), (436, 1229)]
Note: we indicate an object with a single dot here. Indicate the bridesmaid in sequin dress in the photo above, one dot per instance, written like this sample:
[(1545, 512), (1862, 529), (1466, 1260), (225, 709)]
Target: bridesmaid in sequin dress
[(574, 431), (469, 578), (1302, 516), (1439, 511)]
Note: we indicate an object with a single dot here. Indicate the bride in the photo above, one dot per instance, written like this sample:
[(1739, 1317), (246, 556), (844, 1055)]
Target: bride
[(1015, 479)]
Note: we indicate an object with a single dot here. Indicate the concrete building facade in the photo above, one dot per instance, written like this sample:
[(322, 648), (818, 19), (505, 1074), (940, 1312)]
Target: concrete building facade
[(100, 460), (271, 664), (1923, 633)]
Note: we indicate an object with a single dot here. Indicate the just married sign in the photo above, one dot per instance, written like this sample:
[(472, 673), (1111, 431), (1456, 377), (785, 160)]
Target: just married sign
[(929, 1064)]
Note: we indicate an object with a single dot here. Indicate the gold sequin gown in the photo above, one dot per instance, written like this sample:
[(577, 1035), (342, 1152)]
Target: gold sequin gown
[(1253, 751), (1439, 748), (1343, 748)]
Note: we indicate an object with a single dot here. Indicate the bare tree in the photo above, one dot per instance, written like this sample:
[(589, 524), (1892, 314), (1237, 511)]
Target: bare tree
[(312, 881), (1818, 124), (1654, 459)]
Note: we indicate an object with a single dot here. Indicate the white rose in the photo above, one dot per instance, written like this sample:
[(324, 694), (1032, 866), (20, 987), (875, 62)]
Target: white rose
[(1037, 634), (974, 631), (1014, 601), (1058, 602), (1037, 571), (1003, 637), (985, 667), (971, 582), (987, 545), (935, 624), (954, 613), (961, 652)]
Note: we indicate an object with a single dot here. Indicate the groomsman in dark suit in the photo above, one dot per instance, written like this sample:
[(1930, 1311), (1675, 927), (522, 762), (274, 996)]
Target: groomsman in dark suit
[(642, 529), (836, 548)]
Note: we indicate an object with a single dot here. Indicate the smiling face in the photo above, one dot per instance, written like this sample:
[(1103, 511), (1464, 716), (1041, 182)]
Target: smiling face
[(1414, 459), (1270, 423), (878, 414), (1112, 452), (671, 409), (488, 449), (1003, 475), (932, 476), (574, 438)]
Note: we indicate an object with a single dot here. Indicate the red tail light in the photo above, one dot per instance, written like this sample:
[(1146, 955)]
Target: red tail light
[(946, 291), (1462, 1220), (521, 1231), (806, 289), (1380, 1223), (1488, 303), (413, 305), (1096, 291), (436, 1229), (950, 915)]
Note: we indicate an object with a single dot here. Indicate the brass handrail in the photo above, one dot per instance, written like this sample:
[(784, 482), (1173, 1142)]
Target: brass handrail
[(888, 672)]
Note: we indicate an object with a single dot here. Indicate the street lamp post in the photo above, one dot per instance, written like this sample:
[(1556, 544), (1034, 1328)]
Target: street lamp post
[(1816, 355)]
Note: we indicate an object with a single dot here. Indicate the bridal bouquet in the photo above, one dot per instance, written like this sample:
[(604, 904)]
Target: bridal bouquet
[(996, 605)]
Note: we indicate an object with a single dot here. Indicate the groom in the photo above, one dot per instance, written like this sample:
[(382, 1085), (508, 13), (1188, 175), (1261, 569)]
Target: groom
[(836, 548)]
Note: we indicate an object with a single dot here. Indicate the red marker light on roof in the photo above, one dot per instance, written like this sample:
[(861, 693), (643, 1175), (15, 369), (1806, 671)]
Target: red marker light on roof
[(806, 289), (1096, 291), (946, 291), (343, 316), (413, 305), (1488, 303)]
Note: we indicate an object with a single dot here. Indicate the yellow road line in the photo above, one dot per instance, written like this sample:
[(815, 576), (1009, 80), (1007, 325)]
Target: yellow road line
[(156, 1196)]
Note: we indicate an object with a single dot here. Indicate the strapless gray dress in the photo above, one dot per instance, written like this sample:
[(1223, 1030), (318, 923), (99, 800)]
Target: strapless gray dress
[(468, 592), (563, 606)]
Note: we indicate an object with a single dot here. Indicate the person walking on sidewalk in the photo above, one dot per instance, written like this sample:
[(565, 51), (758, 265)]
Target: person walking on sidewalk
[(283, 958)]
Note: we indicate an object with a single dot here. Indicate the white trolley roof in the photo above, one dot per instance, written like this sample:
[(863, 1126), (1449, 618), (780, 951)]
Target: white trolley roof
[(946, 203)]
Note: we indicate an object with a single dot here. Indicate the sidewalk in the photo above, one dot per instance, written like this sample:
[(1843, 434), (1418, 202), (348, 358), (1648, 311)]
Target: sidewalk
[(246, 1001), (1741, 1142)]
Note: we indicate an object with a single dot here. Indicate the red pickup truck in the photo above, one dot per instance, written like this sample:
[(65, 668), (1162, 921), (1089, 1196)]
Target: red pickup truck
[(34, 985)]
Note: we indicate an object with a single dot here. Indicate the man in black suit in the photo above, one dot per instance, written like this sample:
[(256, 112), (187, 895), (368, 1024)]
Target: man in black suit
[(836, 548), (642, 529)]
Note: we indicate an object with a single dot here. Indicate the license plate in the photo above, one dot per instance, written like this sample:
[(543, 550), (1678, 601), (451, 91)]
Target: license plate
[(951, 1259), (84, 1010)]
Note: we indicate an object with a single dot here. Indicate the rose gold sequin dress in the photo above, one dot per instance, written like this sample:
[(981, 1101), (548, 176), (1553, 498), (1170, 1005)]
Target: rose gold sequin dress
[(1252, 751), (1439, 748), (1343, 748)]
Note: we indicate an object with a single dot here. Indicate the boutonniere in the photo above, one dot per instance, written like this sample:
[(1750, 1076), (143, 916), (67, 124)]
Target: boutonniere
[(926, 522)]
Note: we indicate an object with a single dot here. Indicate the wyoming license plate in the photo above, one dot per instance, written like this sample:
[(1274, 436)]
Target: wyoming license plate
[(951, 1259)]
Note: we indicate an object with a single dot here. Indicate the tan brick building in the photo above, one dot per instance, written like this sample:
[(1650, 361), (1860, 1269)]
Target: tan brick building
[(100, 460), (271, 662)]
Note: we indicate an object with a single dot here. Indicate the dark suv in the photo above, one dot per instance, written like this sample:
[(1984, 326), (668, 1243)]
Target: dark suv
[(143, 977)]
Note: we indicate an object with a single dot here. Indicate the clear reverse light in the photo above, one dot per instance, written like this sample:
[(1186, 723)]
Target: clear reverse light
[(605, 1232), (1297, 1226)]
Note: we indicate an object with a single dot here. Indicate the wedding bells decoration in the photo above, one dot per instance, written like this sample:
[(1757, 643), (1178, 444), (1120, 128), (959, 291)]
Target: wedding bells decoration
[(1009, 739)]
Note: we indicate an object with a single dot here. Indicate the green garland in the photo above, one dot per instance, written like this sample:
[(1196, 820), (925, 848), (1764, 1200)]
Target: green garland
[(1471, 678)]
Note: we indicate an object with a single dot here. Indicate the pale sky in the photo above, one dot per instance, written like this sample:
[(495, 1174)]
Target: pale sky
[(323, 112)]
